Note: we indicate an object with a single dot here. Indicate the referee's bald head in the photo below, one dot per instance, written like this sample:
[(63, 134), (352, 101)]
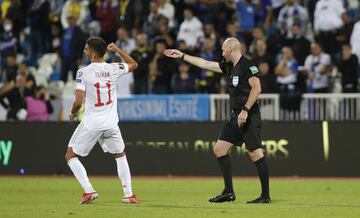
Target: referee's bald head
[(232, 43)]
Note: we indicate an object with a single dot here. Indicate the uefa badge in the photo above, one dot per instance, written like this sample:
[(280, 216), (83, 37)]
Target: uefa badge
[(235, 81)]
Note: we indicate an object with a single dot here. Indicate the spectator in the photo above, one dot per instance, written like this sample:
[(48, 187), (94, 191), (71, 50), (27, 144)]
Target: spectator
[(232, 30), (287, 73), (4, 6), (56, 7), (73, 43), (344, 33), (292, 13), (327, 22), (8, 75), (164, 33), (142, 55), (131, 13), (209, 31), (276, 7), (10, 72), (76, 8), (183, 82), (261, 54), (352, 7), (161, 70), (7, 41), (106, 13), (30, 83), (15, 98), (167, 10), (272, 43), (246, 19), (151, 26), (14, 13), (311, 4), (38, 107), (224, 11), (348, 68), (257, 34), (298, 43), (267, 78), (263, 14), (40, 29), (354, 39), (318, 66), (124, 41), (190, 29)]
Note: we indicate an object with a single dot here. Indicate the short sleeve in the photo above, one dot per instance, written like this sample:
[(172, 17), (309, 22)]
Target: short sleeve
[(252, 70), (224, 66), (80, 83), (120, 69)]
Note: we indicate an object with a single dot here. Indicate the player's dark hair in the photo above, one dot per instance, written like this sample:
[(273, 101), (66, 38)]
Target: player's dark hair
[(98, 45)]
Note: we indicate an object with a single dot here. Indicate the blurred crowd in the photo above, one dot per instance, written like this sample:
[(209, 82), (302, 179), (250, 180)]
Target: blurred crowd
[(300, 46)]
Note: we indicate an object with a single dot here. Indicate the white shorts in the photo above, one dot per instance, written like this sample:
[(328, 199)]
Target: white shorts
[(83, 140)]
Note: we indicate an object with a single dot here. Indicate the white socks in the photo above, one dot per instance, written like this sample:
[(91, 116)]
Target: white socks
[(123, 171), (80, 174), (124, 175)]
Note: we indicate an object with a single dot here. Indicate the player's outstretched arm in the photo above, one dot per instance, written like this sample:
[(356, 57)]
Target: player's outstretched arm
[(199, 62), (127, 59)]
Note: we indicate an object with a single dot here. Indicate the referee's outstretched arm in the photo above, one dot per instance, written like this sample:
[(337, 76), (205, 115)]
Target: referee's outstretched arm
[(199, 62)]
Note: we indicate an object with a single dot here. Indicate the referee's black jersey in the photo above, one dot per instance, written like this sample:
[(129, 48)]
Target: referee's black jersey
[(237, 80)]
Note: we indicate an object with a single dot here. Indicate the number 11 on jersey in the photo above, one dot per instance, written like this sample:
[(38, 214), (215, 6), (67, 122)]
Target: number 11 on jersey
[(99, 103)]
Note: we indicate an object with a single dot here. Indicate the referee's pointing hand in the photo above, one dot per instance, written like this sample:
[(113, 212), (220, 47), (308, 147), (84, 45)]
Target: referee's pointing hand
[(173, 53)]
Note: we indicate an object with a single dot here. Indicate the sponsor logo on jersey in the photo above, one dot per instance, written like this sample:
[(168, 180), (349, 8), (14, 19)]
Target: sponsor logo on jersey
[(121, 66)]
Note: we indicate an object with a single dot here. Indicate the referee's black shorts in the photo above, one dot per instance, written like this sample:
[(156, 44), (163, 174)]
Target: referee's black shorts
[(250, 133)]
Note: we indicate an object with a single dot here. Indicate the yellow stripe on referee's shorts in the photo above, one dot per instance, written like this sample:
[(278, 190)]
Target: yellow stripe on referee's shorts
[(326, 145)]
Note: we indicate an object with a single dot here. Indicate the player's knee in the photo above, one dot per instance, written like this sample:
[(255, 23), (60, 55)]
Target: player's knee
[(219, 151), (118, 155), (256, 154), (67, 157), (69, 154)]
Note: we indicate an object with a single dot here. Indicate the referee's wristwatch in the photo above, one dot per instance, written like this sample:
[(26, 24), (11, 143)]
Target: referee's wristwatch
[(244, 108)]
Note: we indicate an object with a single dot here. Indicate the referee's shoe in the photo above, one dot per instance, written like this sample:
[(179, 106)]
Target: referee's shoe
[(223, 197), (260, 200)]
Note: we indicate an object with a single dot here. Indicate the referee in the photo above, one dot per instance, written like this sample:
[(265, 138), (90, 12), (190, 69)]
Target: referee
[(244, 124)]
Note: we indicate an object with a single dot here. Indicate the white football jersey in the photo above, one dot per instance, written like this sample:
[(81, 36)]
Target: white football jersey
[(98, 80)]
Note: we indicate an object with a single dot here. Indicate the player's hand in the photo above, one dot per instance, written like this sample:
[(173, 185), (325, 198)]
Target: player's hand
[(173, 53), (112, 47), (72, 116), (242, 118)]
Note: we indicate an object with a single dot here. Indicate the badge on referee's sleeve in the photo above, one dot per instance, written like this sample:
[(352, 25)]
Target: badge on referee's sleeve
[(254, 70)]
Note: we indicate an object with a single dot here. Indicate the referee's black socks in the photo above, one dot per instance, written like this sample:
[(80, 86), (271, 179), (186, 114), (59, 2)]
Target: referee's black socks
[(263, 171), (225, 166)]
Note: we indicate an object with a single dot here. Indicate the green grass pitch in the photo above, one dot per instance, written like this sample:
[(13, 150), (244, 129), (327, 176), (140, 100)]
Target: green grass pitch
[(23, 196)]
